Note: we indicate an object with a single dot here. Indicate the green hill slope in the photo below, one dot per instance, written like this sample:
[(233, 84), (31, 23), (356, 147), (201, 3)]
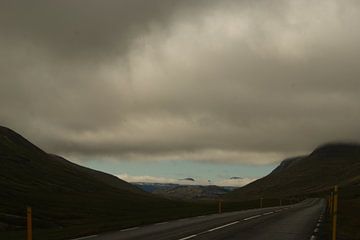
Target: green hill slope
[(68, 199), (325, 167)]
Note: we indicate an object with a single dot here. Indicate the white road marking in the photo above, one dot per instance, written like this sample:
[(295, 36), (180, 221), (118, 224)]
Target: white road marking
[(316, 230), (191, 236), (129, 229), (91, 236), (256, 216), (268, 213), (312, 237), (226, 225), (161, 223)]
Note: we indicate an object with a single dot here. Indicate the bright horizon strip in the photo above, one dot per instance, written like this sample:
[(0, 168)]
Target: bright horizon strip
[(174, 171)]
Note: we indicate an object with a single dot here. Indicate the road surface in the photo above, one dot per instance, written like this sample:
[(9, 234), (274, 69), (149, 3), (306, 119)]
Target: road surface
[(293, 222)]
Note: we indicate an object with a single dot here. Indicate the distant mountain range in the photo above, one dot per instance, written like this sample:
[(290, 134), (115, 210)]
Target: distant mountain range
[(151, 187), (326, 166), (185, 192)]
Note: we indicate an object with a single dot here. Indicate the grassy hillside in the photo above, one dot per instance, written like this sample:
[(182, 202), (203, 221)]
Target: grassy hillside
[(67, 198), (325, 167)]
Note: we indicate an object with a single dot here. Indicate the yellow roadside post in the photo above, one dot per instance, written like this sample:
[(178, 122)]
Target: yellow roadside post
[(29, 223), (331, 203), (335, 209)]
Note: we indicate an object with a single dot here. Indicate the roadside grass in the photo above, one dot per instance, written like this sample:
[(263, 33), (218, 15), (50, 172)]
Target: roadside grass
[(348, 220)]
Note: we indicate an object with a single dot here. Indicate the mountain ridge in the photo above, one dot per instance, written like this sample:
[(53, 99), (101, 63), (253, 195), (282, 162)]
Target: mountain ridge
[(18, 150), (54, 187), (326, 166)]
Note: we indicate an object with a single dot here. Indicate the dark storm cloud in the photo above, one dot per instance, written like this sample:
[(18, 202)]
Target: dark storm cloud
[(83, 29), (247, 81)]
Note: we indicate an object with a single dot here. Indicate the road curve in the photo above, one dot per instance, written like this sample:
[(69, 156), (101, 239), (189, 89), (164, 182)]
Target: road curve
[(294, 222)]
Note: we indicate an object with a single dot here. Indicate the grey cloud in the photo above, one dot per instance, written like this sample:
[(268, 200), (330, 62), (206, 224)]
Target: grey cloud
[(187, 179), (235, 178), (200, 80), (87, 29)]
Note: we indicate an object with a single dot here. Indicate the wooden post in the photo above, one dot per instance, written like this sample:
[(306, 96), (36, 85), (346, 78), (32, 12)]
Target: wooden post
[(220, 210), (280, 202), (335, 210), (331, 204), (261, 202), (29, 223)]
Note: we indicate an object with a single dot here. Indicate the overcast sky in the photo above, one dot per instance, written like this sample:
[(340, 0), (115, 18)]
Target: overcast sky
[(218, 82)]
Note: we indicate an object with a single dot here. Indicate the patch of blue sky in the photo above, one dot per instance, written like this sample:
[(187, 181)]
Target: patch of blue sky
[(177, 169)]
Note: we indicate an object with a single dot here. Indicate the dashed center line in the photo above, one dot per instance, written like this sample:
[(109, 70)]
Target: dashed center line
[(226, 225), (256, 216), (129, 229), (161, 223), (194, 235), (191, 236), (81, 238)]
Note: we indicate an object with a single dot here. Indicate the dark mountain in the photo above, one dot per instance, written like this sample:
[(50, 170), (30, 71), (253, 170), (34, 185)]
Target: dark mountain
[(316, 174), (27, 167), (69, 199), (51, 184), (326, 166)]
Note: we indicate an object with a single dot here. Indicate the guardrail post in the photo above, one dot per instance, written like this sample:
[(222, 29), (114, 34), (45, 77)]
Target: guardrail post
[(29, 223)]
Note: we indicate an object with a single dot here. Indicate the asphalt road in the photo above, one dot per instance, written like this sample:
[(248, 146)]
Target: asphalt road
[(299, 221)]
